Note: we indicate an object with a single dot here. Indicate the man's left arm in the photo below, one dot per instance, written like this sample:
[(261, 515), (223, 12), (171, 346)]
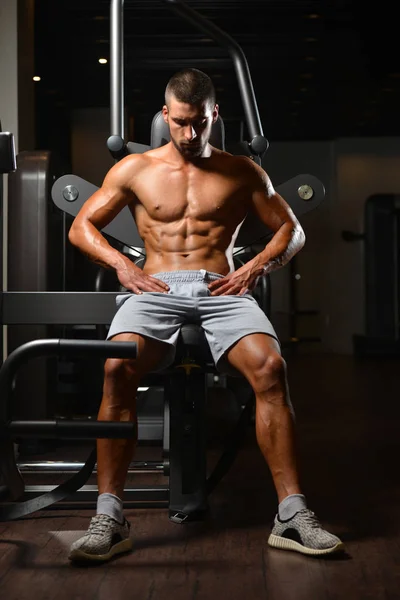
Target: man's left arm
[(288, 238)]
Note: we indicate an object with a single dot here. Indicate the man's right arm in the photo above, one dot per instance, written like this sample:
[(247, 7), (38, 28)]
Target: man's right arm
[(98, 211)]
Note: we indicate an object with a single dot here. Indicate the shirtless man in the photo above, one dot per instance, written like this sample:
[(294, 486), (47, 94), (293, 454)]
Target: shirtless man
[(188, 200)]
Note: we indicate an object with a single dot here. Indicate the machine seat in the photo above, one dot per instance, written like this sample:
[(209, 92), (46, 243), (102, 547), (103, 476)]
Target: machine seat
[(192, 344)]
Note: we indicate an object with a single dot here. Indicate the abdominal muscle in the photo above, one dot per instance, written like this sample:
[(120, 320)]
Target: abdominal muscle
[(216, 262), (167, 251)]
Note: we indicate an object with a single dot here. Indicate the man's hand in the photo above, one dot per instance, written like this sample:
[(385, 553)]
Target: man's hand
[(238, 283), (133, 278)]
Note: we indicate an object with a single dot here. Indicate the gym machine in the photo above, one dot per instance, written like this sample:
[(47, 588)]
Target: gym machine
[(183, 432), (381, 252)]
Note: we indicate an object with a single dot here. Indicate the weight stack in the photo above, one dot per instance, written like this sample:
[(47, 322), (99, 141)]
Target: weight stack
[(36, 262)]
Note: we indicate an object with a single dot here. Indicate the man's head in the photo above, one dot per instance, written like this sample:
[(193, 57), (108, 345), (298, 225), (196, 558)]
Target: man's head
[(190, 111)]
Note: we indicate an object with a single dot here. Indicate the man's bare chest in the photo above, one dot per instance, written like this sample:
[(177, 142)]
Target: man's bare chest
[(171, 196)]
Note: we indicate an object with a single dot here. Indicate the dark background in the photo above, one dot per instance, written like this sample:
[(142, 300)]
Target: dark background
[(321, 70)]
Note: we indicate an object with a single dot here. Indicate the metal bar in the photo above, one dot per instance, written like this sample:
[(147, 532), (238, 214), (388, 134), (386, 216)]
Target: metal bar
[(117, 67), (98, 348), (63, 429), (58, 308), (52, 347), (89, 493), (60, 467), (117, 64), (239, 60), (92, 503)]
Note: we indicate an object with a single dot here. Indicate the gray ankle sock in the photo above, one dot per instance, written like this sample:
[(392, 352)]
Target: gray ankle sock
[(108, 504), (291, 505)]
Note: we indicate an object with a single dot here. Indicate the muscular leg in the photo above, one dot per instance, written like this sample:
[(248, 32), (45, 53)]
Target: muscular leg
[(295, 527), (258, 358), (121, 381)]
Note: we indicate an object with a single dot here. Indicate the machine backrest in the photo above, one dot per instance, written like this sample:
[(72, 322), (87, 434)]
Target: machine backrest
[(160, 132)]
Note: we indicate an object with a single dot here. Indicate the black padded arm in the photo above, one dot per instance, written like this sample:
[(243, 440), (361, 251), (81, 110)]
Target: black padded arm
[(70, 192)]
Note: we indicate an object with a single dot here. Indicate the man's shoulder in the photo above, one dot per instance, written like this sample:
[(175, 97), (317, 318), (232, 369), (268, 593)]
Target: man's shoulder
[(155, 154), (241, 163), (122, 175), (133, 163)]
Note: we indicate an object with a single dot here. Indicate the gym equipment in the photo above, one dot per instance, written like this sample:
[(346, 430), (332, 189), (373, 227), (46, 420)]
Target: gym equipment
[(36, 234), (7, 154), (185, 382), (381, 250)]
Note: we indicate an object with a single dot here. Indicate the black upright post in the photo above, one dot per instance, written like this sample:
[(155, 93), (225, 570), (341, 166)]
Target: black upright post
[(7, 165), (1, 257), (186, 396), (1, 260)]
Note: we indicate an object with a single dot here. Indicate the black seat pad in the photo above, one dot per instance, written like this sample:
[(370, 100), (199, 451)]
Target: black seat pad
[(192, 343)]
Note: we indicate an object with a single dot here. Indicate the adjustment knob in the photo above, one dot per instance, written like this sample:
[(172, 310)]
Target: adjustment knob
[(259, 145), (117, 147), (70, 193), (305, 192)]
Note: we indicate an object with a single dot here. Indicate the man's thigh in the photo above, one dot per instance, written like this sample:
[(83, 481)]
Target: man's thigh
[(228, 319)]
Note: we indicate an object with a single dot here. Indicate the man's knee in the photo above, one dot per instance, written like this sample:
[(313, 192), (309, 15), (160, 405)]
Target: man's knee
[(117, 370), (121, 381), (269, 374), (276, 366)]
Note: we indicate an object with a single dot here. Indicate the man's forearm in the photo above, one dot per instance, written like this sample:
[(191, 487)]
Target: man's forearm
[(287, 242), (88, 239)]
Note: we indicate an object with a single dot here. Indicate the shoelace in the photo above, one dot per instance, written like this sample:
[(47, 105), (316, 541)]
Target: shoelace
[(311, 519), (98, 525)]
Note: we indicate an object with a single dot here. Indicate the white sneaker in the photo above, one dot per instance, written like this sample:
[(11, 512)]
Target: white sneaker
[(303, 533), (104, 539)]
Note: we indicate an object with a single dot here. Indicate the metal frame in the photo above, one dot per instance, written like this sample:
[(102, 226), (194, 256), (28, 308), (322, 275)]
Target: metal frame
[(184, 459), (62, 467), (58, 308), (143, 496), (258, 143)]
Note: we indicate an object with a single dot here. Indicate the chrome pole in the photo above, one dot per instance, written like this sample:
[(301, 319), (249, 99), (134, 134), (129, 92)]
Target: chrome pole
[(75, 466), (117, 67)]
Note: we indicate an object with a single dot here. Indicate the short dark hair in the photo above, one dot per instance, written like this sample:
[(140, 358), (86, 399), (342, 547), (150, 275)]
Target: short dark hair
[(191, 86)]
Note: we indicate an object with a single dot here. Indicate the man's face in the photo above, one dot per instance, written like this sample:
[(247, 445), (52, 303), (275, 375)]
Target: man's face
[(190, 126)]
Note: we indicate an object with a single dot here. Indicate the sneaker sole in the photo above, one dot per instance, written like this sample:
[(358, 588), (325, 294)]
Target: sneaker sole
[(285, 544), (79, 555)]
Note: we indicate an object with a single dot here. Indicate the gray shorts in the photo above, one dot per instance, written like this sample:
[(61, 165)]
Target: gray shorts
[(225, 319)]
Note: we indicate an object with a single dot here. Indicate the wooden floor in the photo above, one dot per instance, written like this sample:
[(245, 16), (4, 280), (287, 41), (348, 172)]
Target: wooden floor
[(348, 420)]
